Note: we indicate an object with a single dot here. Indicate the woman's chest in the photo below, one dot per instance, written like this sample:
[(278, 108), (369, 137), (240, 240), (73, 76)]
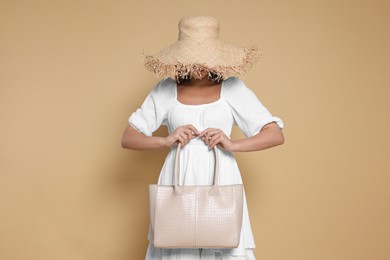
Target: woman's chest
[(215, 115)]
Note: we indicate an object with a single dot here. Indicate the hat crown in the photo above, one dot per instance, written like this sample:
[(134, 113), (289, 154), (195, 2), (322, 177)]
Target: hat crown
[(198, 28), (199, 48)]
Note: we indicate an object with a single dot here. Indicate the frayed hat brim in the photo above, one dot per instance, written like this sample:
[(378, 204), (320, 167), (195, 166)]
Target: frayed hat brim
[(250, 56)]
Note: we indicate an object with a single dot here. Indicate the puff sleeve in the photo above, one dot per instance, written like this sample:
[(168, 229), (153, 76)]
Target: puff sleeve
[(153, 111), (248, 111)]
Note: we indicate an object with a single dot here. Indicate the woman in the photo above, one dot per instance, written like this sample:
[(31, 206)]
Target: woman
[(199, 101)]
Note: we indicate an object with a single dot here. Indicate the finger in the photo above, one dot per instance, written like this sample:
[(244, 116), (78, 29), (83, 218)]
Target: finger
[(215, 141), (184, 138), (205, 131), (214, 131), (208, 138), (210, 131), (210, 134), (218, 135), (194, 129), (181, 139), (189, 133)]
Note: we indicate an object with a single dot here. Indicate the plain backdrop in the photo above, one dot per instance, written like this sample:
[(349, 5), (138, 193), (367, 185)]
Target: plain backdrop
[(71, 75)]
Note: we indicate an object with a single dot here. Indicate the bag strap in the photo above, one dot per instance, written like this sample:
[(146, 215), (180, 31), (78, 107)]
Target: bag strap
[(176, 170)]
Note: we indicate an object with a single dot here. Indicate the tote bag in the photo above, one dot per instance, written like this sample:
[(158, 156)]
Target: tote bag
[(196, 216)]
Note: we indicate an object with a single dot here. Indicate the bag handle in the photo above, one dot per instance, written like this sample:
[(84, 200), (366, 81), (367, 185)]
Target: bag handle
[(176, 187)]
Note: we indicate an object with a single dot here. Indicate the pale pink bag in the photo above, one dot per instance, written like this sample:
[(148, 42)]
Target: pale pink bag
[(196, 216)]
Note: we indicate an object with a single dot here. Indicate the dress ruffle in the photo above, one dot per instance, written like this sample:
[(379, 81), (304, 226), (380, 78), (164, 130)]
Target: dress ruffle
[(196, 254)]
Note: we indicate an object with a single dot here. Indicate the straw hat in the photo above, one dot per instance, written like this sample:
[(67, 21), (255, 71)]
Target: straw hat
[(199, 48)]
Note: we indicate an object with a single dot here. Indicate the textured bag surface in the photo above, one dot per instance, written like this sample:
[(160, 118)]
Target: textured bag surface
[(196, 216)]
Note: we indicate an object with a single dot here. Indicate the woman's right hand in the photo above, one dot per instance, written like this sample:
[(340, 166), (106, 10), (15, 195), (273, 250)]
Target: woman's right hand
[(182, 134)]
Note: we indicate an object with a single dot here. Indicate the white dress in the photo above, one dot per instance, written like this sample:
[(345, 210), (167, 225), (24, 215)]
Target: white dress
[(237, 105)]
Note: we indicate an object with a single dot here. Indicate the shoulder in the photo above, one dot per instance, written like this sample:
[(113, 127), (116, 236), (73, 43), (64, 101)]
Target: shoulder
[(232, 81), (164, 90), (234, 88)]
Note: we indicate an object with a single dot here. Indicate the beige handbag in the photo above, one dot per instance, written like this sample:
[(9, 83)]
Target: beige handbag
[(196, 216)]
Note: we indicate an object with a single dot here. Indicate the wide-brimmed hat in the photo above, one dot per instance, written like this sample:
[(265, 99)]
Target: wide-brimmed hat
[(199, 48)]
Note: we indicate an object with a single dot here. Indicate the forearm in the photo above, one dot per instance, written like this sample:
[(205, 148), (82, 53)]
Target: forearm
[(142, 142), (263, 140)]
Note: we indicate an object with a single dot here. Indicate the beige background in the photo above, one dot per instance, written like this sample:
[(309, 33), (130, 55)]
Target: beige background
[(71, 75)]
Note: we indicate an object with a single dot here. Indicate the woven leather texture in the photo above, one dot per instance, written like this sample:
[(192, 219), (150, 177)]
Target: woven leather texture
[(196, 216)]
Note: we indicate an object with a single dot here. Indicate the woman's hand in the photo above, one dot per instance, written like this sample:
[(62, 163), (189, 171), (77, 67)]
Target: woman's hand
[(215, 136), (182, 134)]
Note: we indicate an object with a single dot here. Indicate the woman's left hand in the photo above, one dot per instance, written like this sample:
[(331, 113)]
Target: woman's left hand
[(215, 136)]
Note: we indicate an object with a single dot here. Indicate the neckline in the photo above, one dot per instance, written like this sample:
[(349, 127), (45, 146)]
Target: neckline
[(199, 105)]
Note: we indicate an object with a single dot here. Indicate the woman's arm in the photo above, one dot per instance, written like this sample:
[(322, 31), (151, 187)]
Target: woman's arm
[(134, 140), (269, 136)]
